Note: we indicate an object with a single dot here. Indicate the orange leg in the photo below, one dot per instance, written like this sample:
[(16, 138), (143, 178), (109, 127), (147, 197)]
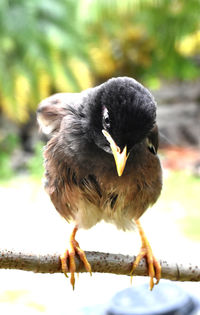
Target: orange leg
[(69, 254), (154, 267)]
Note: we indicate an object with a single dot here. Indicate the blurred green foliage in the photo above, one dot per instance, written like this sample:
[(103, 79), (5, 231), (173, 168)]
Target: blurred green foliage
[(37, 40), (7, 146), (179, 196), (35, 163), (67, 45)]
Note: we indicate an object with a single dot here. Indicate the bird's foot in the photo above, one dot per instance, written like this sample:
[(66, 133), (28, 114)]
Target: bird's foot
[(154, 267), (68, 258)]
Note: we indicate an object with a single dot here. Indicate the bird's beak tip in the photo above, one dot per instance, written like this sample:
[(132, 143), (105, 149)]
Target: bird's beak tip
[(120, 160), (120, 157)]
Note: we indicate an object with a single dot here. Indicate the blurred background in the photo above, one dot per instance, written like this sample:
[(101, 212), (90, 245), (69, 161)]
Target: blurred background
[(67, 46)]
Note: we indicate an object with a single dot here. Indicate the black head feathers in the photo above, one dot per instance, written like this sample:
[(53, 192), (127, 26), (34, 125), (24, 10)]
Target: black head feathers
[(125, 108), (121, 106)]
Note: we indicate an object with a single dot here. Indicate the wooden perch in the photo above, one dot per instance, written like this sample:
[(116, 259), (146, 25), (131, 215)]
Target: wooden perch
[(100, 262)]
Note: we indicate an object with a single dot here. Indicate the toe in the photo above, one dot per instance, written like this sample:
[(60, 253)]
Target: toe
[(83, 258), (63, 259), (154, 270), (137, 261), (157, 267), (72, 267)]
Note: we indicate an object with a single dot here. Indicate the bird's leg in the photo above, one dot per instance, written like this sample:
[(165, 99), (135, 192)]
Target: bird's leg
[(69, 256), (154, 267)]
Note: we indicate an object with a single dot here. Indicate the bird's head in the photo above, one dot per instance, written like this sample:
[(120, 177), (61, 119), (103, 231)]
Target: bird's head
[(123, 115)]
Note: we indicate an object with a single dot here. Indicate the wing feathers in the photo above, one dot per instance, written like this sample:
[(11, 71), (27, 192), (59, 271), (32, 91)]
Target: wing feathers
[(52, 110)]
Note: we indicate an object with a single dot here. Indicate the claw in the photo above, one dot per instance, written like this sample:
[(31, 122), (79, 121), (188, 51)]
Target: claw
[(63, 259), (69, 256), (154, 267)]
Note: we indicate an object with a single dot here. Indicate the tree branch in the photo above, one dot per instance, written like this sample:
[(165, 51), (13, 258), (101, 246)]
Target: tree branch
[(100, 262)]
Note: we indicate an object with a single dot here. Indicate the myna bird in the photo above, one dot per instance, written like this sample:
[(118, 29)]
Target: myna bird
[(101, 161)]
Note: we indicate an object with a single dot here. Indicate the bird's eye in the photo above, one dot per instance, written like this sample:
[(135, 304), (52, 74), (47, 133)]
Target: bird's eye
[(106, 119), (151, 147)]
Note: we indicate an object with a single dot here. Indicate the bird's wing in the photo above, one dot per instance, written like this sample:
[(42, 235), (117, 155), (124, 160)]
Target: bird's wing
[(52, 110), (68, 192), (60, 176)]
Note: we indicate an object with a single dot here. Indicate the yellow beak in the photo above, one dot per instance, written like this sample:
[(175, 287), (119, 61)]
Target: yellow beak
[(120, 157)]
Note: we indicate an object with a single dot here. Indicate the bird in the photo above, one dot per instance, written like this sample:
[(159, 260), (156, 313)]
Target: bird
[(101, 162)]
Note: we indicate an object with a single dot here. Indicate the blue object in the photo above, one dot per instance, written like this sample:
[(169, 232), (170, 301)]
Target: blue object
[(166, 299)]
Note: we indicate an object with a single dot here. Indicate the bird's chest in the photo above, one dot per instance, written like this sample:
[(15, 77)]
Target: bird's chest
[(118, 200)]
